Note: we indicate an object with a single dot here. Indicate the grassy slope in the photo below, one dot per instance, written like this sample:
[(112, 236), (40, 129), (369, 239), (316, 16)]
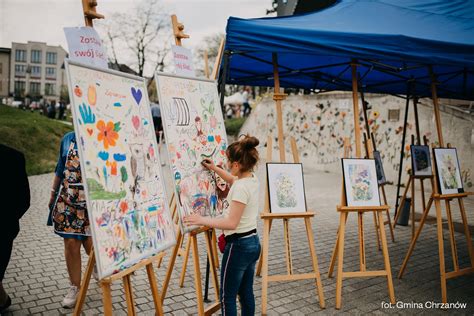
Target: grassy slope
[(35, 135)]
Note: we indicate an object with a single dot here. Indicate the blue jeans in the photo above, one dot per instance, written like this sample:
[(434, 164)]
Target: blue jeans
[(237, 272)]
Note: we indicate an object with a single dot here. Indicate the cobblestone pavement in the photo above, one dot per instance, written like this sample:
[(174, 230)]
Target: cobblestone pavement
[(37, 279)]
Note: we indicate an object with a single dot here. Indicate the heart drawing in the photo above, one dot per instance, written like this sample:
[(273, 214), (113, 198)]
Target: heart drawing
[(137, 95), (136, 122)]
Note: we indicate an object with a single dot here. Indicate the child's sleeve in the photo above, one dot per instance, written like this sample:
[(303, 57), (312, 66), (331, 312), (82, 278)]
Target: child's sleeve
[(241, 194)]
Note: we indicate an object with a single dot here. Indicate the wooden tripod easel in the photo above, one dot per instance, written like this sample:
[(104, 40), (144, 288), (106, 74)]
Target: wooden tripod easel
[(436, 197), (269, 217), (344, 211), (411, 184)]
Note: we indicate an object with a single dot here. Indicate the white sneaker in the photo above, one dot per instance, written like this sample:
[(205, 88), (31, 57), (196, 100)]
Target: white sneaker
[(69, 300)]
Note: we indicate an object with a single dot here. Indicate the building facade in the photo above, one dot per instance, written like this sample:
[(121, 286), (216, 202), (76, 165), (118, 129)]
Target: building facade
[(4, 72), (37, 72)]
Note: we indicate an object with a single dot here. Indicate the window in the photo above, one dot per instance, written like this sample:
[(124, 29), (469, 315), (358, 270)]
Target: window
[(50, 72), (51, 58), (35, 87), (35, 71), (36, 56), (20, 55), (20, 87), (20, 70), (49, 89)]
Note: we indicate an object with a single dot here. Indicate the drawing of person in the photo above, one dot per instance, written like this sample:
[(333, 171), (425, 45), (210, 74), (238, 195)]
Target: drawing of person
[(200, 134)]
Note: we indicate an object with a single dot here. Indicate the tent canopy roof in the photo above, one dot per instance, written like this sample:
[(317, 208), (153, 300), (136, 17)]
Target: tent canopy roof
[(392, 42)]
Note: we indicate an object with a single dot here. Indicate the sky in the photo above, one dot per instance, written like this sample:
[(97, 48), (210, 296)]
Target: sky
[(44, 20)]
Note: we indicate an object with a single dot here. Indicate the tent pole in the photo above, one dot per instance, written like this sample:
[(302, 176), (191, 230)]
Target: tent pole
[(417, 122), (278, 97), (355, 101), (434, 96), (402, 151), (223, 79)]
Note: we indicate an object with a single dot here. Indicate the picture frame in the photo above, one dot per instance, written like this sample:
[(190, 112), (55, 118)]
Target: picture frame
[(448, 171), (421, 161), (360, 182), (285, 185), (381, 179)]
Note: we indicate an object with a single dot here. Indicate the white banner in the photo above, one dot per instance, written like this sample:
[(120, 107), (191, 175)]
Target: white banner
[(85, 46), (183, 61)]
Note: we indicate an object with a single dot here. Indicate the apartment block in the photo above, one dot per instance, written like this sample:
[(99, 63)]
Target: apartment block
[(37, 70)]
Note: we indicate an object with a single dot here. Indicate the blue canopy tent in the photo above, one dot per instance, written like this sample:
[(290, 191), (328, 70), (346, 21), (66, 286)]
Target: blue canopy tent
[(392, 41)]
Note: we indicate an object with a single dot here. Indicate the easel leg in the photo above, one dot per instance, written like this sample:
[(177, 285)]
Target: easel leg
[(360, 217), (442, 270), (319, 284), (422, 186), (286, 228), (185, 262), (334, 254), (197, 275), (170, 268), (412, 209), (402, 201), (386, 259), (210, 254), (127, 285), (264, 261), (452, 239), (259, 265), (85, 284), (377, 227), (466, 231), (389, 220), (106, 298), (413, 241), (214, 249), (340, 261), (154, 289)]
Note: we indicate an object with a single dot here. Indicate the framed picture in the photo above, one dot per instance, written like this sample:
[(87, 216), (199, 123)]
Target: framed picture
[(379, 168), (286, 187), (420, 161), (360, 182), (448, 171)]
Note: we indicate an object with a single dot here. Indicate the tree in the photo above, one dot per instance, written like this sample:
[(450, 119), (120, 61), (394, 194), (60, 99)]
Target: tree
[(210, 44), (140, 38)]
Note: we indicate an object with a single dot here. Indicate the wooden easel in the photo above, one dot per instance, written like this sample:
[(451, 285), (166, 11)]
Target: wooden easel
[(411, 184), (269, 217), (436, 197), (89, 15), (344, 211)]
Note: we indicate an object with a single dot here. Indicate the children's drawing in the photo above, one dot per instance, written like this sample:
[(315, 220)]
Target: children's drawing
[(286, 187), (126, 201), (360, 180), (448, 171), (420, 160), (194, 130)]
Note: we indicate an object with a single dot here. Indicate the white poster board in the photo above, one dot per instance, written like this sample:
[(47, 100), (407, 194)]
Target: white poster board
[(85, 46), (194, 130), (124, 187)]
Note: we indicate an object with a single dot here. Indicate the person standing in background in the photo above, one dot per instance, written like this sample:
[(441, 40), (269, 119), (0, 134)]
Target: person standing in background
[(15, 197)]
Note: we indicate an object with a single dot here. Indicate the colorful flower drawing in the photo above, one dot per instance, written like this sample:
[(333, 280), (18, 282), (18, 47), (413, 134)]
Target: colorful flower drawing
[(449, 171), (285, 190), (107, 133), (360, 178)]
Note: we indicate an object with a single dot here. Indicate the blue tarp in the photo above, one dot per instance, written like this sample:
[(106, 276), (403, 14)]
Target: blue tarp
[(392, 41)]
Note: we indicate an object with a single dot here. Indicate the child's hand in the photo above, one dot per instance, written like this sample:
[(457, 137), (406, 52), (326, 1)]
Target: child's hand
[(208, 163), (193, 220)]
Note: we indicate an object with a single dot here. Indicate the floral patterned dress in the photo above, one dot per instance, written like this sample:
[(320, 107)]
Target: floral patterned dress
[(70, 212)]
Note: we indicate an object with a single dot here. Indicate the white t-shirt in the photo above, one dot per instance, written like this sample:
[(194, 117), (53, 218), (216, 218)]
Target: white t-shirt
[(246, 191)]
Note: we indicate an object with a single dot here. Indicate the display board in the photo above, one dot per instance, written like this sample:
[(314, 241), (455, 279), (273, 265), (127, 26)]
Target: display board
[(448, 171), (360, 181), (124, 187), (286, 187), (194, 130), (420, 160)]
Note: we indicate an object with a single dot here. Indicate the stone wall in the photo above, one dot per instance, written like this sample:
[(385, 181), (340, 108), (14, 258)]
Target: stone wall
[(319, 124)]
